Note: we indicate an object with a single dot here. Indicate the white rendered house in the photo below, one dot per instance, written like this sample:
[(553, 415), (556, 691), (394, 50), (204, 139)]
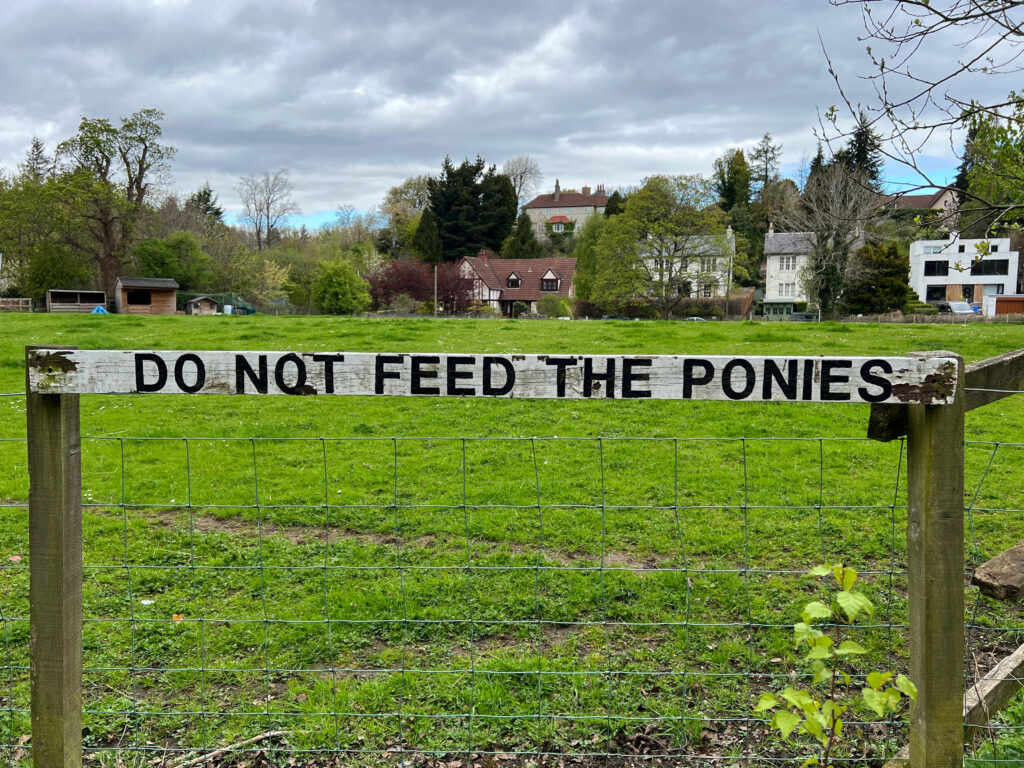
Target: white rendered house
[(963, 269)]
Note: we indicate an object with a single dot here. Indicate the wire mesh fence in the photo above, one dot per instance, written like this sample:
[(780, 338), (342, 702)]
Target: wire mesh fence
[(472, 601)]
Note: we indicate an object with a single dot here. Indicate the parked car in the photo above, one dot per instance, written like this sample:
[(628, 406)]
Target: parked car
[(955, 308), (804, 317), (694, 319)]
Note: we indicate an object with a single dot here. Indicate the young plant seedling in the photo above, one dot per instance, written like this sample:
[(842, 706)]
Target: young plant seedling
[(816, 713)]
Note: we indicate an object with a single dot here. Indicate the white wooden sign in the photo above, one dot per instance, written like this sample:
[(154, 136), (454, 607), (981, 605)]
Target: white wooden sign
[(658, 377)]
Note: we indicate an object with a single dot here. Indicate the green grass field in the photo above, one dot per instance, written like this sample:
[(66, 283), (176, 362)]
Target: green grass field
[(440, 577)]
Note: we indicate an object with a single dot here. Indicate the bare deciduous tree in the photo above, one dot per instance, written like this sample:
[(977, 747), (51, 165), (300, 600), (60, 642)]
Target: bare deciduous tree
[(525, 174), (916, 104), (266, 203), (831, 216)]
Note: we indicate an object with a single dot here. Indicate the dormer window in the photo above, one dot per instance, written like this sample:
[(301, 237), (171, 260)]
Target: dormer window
[(514, 281), (549, 285)]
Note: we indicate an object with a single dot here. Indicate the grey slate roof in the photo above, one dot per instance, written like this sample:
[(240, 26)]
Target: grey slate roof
[(789, 242), (148, 282)]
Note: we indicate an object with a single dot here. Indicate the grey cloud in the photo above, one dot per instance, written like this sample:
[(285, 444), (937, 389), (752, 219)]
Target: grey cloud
[(354, 96)]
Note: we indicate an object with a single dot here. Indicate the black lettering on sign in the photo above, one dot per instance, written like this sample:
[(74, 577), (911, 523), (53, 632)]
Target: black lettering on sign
[(299, 387), (381, 374), (328, 361), (510, 376), (690, 380), (828, 379), (140, 372), (179, 373), (244, 371), (418, 374), (773, 374), (879, 381), (591, 380), (562, 363), (730, 391), (629, 377), (808, 382), (454, 374)]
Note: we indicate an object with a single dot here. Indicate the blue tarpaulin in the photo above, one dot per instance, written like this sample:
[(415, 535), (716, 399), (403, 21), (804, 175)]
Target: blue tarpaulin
[(99, 311)]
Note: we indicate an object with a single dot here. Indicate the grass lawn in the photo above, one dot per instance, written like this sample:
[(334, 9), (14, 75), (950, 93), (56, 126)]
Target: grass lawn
[(403, 578)]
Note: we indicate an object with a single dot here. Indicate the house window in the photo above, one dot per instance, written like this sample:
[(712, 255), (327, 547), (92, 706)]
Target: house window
[(936, 268), (787, 290), (991, 267), (994, 249), (557, 227), (707, 290), (787, 263), (933, 249), (139, 297), (935, 293), (514, 281), (549, 285), (961, 248)]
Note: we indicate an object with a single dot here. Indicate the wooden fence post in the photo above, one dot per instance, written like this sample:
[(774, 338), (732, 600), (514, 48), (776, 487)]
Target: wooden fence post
[(55, 576), (935, 561)]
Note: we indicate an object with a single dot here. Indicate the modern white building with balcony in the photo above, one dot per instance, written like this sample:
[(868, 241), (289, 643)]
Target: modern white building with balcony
[(963, 269)]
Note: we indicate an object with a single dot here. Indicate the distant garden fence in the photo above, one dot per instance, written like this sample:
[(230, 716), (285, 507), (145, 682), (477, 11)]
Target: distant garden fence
[(470, 601)]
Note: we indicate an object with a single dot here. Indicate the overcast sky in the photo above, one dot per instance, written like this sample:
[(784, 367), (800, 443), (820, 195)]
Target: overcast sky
[(353, 97)]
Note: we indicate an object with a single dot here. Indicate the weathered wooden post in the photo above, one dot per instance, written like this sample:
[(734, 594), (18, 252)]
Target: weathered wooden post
[(935, 546), (55, 569)]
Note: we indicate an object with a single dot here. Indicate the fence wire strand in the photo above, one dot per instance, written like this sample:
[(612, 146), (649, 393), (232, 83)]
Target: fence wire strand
[(420, 601)]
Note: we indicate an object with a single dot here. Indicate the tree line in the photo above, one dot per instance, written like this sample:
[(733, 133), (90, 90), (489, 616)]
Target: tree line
[(97, 208)]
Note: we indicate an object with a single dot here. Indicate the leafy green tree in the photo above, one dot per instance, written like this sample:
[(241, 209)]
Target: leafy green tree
[(586, 256), (106, 174), (732, 179), (54, 265), (426, 243), (338, 290), (522, 243), (180, 257), (994, 194), (652, 251), (401, 209), (877, 280), (551, 305), (474, 207), (764, 163)]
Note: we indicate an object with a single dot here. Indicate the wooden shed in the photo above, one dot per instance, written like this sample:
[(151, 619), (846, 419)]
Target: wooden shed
[(202, 305), (145, 296), (66, 300)]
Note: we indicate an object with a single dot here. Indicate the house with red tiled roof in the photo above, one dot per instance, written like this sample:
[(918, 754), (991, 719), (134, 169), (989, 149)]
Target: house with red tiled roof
[(503, 282), (564, 210)]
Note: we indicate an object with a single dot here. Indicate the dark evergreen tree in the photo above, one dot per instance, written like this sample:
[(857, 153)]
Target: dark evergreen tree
[(204, 203), (615, 204), (38, 166), (962, 182), (863, 152), (427, 242), (498, 206), (764, 163), (732, 179), (522, 243), (474, 207), (817, 163), (878, 280)]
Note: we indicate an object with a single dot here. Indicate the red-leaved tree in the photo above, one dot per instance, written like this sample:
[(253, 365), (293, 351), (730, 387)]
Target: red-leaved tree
[(394, 278), (454, 292)]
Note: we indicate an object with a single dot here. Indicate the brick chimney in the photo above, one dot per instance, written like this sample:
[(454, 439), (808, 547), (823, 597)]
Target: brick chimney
[(586, 191), (558, 190)]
